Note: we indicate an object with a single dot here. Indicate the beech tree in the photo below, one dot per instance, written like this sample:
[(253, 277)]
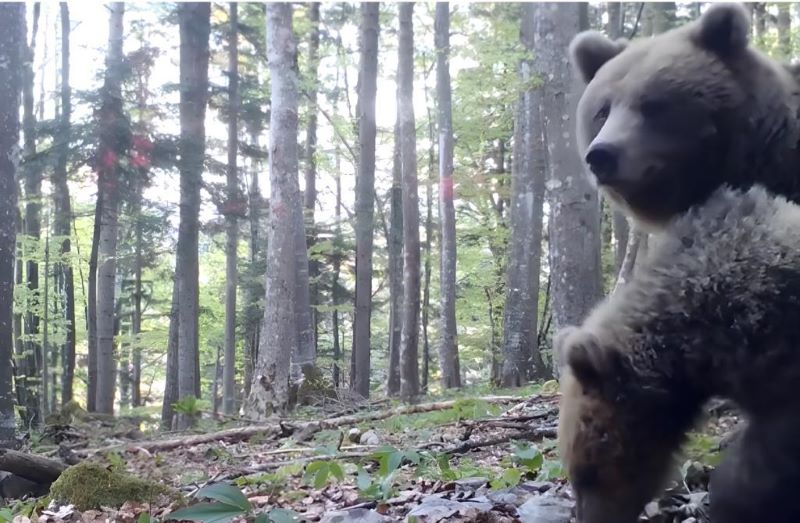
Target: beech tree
[(448, 347), (113, 138), (269, 391), (409, 338), (365, 197), (12, 29), (194, 21)]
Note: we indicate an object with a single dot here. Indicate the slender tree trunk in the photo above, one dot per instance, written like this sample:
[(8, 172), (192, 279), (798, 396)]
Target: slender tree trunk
[(136, 316), (111, 150), (614, 24), (30, 365), (63, 216), (409, 338), (337, 350), (575, 221), (311, 162), (253, 314), (12, 30), (269, 391), (784, 24), (46, 403), (231, 222), (194, 20), (171, 375), (365, 197), (395, 267), (448, 346), (306, 355), (91, 309)]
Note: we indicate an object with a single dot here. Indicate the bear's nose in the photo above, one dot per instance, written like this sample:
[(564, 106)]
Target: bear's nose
[(603, 161)]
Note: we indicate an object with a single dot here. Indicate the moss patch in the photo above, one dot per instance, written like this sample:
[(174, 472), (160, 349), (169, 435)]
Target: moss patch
[(91, 486)]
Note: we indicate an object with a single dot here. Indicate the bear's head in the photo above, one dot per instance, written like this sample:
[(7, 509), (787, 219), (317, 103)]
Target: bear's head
[(616, 432), (664, 121)]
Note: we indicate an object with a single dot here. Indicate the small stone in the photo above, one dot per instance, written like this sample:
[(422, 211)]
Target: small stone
[(546, 509), (651, 509), (469, 484), (356, 515), (354, 435), (370, 437)]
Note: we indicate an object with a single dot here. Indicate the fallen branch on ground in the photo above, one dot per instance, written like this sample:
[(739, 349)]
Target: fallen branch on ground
[(30, 466), (300, 430)]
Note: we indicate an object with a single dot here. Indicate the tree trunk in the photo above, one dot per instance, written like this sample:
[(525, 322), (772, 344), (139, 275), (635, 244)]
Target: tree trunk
[(310, 199), (110, 151), (269, 391), (306, 355), (365, 197), (575, 221), (91, 310), (614, 24), (194, 20), (30, 364), (759, 10), (63, 216), (395, 267), (337, 350), (231, 222), (171, 375), (136, 315), (784, 24), (409, 338), (448, 347), (12, 30), (253, 314)]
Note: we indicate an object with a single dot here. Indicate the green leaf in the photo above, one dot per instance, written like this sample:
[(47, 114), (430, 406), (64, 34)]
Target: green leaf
[(6, 516), (144, 517), (321, 477), (227, 494), (363, 479), (394, 461), (336, 470), (207, 513)]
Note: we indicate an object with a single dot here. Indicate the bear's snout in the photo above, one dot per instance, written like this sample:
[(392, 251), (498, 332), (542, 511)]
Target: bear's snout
[(603, 160)]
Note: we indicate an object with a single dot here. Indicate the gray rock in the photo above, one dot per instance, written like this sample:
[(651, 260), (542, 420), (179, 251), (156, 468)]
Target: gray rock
[(356, 515), (546, 509), (370, 437), (470, 484), (435, 508)]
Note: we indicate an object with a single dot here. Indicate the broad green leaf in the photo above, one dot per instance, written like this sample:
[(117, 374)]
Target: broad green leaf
[(336, 470), (208, 513), (6, 516), (363, 479), (144, 517), (225, 493)]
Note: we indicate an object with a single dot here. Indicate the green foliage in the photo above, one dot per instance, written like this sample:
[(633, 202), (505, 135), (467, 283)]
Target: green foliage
[(319, 472), (703, 448), (228, 503)]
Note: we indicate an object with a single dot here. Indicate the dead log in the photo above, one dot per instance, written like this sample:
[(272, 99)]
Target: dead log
[(30, 466)]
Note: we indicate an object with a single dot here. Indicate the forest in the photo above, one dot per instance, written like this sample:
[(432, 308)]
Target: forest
[(305, 260)]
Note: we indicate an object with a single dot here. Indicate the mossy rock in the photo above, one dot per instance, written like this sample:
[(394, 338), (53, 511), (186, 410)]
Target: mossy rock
[(91, 486), (313, 388)]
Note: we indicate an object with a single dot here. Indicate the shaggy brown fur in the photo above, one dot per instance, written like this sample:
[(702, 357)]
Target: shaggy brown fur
[(712, 311), (666, 120)]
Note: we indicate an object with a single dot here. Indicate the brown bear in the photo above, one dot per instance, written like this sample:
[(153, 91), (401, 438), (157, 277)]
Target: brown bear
[(664, 121), (713, 311)]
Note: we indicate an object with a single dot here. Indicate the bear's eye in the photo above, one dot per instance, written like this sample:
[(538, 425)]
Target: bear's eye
[(654, 108), (602, 114)]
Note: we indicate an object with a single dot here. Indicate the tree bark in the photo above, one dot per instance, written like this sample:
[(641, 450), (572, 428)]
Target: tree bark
[(63, 215), (448, 347), (395, 267), (12, 30), (614, 24), (91, 310), (409, 338), (365, 197), (269, 391), (111, 150), (784, 24), (231, 222), (171, 374), (194, 20), (310, 196), (29, 364), (253, 313), (575, 221)]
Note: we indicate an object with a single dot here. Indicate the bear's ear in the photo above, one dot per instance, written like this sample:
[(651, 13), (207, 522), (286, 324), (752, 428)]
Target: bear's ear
[(593, 365), (589, 50), (724, 28)]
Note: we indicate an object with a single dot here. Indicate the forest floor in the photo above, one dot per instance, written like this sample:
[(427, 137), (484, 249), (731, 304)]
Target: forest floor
[(467, 458)]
